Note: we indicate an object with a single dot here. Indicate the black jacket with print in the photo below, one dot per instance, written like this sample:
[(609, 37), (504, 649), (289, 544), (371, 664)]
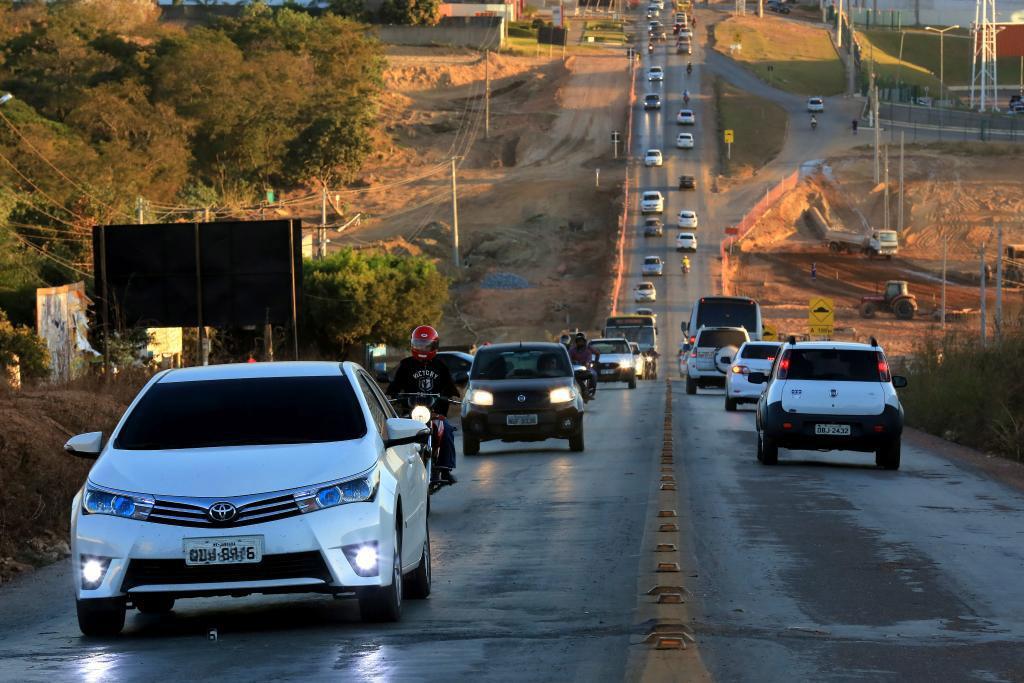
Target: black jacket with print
[(426, 377)]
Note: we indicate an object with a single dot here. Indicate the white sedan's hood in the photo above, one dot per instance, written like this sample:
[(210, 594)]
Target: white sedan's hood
[(231, 471)]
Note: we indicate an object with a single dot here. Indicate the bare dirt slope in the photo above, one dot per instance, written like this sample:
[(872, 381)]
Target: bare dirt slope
[(529, 213)]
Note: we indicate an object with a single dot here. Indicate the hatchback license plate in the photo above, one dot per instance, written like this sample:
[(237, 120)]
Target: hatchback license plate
[(610, 371), (520, 420), (223, 550), (832, 430)]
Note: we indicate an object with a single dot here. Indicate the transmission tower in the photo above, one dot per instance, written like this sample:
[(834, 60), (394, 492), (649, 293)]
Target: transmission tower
[(984, 81)]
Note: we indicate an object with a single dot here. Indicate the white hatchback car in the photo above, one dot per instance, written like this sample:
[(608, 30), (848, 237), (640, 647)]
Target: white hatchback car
[(685, 117), (687, 219), (684, 141), (655, 73), (653, 158), (652, 201), (251, 478), (653, 265), (645, 291), (753, 356), (686, 241), (815, 105)]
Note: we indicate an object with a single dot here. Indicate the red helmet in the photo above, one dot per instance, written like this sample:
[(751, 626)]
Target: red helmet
[(424, 342)]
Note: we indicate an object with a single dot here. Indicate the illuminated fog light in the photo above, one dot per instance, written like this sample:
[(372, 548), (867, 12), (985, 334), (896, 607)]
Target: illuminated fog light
[(366, 558), (363, 557), (93, 570)]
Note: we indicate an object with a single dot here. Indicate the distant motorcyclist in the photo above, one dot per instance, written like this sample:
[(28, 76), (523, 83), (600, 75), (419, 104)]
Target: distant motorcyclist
[(689, 68), (686, 264), (424, 373), (686, 97), (814, 121), (580, 353)]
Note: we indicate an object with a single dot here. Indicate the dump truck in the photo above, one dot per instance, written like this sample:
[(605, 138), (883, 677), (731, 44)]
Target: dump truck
[(881, 243)]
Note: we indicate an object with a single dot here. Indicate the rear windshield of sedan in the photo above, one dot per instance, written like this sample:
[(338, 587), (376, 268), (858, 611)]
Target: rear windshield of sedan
[(835, 365), (719, 338), (521, 364), (614, 346), (243, 412), (760, 351)]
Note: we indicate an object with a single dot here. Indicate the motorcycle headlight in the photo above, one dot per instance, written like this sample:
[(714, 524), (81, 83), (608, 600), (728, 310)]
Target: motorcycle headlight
[(421, 414), (562, 395), (357, 490), (481, 397), (100, 501)]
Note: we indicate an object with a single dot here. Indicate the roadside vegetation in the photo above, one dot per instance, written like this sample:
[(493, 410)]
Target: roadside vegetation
[(970, 394), (758, 125), (604, 31), (789, 55)]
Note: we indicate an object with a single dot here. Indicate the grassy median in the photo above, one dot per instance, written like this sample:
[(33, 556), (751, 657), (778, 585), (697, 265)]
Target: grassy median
[(789, 55), (758, 125)]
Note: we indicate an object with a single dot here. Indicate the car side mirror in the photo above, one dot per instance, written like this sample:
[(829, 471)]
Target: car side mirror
[(757, 378), (402, 432), (86, 446), (684, 326), (899, 381)]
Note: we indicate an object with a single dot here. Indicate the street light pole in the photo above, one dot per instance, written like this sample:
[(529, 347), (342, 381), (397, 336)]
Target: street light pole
[(942, 56)]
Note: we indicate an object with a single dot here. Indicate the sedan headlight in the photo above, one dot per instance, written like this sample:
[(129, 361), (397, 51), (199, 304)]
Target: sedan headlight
[(481, 397), (562, 395), (626, 363), (358, 490), (101, 501)]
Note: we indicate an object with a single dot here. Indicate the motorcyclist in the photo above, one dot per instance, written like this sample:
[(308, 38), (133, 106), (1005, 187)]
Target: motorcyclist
[(580, 353), (814, 121), (689, 68), (424, 373), (565, 340), (686, 96), (686, 264)]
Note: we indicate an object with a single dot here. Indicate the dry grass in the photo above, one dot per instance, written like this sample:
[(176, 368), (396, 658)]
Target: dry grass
[(759, 127)]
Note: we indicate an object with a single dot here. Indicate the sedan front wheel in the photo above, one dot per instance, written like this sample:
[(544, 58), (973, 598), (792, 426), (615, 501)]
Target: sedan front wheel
[(385, 603)]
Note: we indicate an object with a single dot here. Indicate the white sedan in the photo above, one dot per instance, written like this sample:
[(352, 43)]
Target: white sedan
[(815, 105), (686, 117), (645, 291), (684, 141), (687, 219), (653, 158), (686, 241), (652, 266), (655, 73), (652, 201), (251, 478)]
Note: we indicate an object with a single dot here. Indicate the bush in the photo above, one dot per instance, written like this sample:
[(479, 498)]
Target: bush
[(538, 23), (21, 345)]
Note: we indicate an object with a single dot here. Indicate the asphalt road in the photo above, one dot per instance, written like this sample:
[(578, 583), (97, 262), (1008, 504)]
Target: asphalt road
[(822, 568)]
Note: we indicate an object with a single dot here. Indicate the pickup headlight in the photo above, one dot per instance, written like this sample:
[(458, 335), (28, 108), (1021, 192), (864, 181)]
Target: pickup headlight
[(481, 397), (562, 395), (626, 364), (102, 501), (357, 490)]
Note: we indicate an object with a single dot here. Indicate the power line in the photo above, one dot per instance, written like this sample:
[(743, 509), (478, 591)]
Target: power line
[(43, 192), (56, 259)]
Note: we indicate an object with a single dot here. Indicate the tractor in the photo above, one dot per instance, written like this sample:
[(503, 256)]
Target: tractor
[(1013, 264), (895, 298)]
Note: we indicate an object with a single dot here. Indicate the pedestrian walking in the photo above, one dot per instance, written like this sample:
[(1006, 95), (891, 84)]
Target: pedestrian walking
[(814, 271), (854, 126)]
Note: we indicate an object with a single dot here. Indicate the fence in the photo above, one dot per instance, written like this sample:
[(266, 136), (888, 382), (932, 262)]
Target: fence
[(750, 220), (489, 35), (931, 123)]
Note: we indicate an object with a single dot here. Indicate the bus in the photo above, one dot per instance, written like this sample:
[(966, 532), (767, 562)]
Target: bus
[(724, 311)]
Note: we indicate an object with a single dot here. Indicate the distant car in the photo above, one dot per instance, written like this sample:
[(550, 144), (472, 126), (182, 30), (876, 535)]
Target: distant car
[(1017, 108), (652, 100), (652, 201), (685, 117), (647, 311), (686, 241), (684, 47), (653, 158), (645, 291), (685, 33), (923, 101), (753, 356), (639, 361), (777, 7), (652, 12), (815, 105), (655, 73), (711, 356), (687, 182), (684, 141), (616, 362), (1014, 100), (458, 364), (652, 266), (687, 219), (653, 227), (829, 396)]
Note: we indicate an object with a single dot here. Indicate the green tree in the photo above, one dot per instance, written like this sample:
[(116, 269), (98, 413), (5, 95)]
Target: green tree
[(21, 345), (333, 145), (354, 296), (411, 12)]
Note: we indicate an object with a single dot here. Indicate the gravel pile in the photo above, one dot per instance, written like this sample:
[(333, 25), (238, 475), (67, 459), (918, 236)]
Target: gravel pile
[(504, 281)]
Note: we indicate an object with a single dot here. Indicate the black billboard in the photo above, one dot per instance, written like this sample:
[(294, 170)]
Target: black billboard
[(552, 35), (191, 274)]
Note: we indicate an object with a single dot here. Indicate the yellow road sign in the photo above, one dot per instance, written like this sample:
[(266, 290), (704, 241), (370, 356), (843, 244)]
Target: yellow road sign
[(769, 332), (821, 317), (728, 136)]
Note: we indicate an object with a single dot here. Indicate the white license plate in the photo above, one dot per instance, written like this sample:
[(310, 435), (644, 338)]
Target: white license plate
[(223, 550), (608, 372), (832, 430), (520, 420)]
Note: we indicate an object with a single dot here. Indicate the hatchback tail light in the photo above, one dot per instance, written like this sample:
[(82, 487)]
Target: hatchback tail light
[(784, 365), (883, 368)]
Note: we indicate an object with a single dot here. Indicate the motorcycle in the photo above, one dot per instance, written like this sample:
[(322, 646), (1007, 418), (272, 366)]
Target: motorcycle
[(585, 378), (814, 123), (423, 408), (689, 68), (686, 268), (686, 98), (650, 48)]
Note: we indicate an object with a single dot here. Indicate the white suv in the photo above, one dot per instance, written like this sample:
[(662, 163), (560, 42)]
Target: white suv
[(831, 396), (815, 105), (752, 357), (652, 202), (711, 356)]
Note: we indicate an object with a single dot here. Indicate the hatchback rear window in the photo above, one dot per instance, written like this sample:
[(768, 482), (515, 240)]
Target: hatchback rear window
[(836, 365), (719, 338), (243, 412), (760, 351)]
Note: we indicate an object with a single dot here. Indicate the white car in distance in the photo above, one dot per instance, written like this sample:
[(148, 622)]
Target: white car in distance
[(685, 117), (653, 158), (684, 141), (652, 201), (251, 478), (645, 291), (655, 73), (815, 105), (652, 266), (687, 219), (686, 241)]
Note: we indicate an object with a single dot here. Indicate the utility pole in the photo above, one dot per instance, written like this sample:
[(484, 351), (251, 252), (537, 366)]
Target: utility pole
[(455, 218), (878, 125), (139, 214), (268, 339), (487, 94), (942, 56), (999, 282), (886, 191), (945, 245), (900, 221), (982, 293), (839, 26), (321, 232)]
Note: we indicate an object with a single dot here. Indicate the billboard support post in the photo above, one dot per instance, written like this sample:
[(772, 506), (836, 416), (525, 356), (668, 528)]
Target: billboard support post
[(295, 316), (106, 313), (203, 355)]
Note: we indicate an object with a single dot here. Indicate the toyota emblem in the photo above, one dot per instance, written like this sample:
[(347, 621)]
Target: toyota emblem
[(521, 398), (222, 512)]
